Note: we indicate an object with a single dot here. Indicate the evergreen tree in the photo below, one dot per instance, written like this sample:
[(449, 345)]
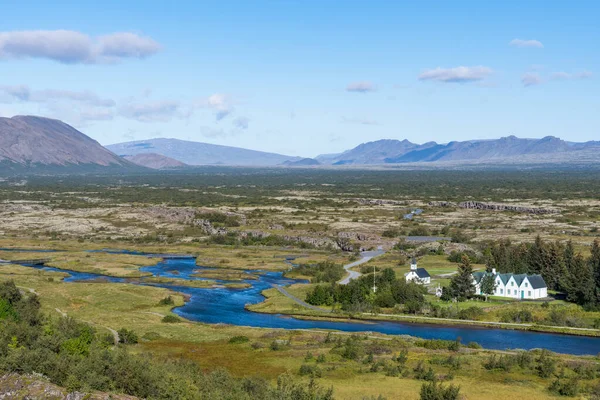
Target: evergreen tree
[(554, 265), (594, 263), (461, 285), (579, 283), (569, 255), (535, 256)]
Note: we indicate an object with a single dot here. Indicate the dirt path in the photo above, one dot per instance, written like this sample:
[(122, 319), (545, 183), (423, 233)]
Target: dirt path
[(297, 300), (112, 331), (366, 256)]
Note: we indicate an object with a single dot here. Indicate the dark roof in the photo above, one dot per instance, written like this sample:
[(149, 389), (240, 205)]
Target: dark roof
[(422, 273), (537, 282)]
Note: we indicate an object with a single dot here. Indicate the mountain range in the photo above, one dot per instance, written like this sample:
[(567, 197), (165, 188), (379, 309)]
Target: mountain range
[(508, 148), (37, 143), (197, 153)]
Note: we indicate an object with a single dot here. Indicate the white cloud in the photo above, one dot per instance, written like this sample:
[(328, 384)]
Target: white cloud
[(531, 79), (71, 47), (560, 76), (568, 76), (526, 43), (16, 92), (456, 75), (95, 114), (583, 75), (241, 122), (221, 104), (25, 94), (359, 121), (159, 111), (361, 87)]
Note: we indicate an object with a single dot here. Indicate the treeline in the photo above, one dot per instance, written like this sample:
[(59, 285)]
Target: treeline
[(560, 265), (73, 355), (239, 186), (358, 295)]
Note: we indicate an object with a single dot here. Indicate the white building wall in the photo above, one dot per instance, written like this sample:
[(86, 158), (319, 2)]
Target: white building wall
[(511, 290)]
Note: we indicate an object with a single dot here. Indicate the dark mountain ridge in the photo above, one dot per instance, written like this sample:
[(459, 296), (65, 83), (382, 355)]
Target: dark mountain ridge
[(37, 142), (398, 152)]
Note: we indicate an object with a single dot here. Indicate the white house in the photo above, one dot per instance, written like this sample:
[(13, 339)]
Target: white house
[(417, 275), (521, 286)]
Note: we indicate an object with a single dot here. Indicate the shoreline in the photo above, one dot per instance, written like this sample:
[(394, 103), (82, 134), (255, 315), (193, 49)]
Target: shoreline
[(423, 320)]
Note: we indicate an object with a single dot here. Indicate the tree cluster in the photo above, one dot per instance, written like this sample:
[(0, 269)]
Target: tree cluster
[(358, 294), (560, 265)]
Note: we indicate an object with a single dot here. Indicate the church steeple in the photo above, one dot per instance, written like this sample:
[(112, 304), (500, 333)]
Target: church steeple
[(413, 264)]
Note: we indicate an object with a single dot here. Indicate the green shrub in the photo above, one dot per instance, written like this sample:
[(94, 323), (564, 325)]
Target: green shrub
[(167, 301), (546, 365), (437, 391), (569, 387), (127, 336), (310, 370), (171, 319), (239, 339), (424, 374)]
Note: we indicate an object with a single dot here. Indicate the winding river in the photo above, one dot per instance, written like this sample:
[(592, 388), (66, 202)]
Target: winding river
[(227, 306)]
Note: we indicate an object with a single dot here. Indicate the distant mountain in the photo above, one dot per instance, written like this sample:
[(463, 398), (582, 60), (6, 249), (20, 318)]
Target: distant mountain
[(370, 153), (155, 161), (197, 153), (29, 142), (305, 162), (508, 148)]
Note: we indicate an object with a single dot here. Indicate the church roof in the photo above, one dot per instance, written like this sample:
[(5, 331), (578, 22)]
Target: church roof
[(422, 273)]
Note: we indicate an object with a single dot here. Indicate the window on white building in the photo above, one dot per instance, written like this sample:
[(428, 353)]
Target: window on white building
[(501, 291), (529, 293), (526, 284)]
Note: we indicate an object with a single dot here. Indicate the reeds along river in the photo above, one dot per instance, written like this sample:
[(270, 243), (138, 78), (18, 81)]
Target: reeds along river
[(227, 306)]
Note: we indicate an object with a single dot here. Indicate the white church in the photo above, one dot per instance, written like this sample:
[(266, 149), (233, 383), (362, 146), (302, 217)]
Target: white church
[(521, 286), (417, 275)]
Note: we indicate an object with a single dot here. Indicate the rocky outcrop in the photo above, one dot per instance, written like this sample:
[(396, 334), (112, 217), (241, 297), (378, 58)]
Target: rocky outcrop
[(34, 387), (208, 228), (442, 204), (172, 214), (478, 205), (316, 242), (256, 234), (379, 202), (319, 242), (353, 236)]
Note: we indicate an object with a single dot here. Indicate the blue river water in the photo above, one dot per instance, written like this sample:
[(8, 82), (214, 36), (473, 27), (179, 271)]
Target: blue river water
[(227, 306)]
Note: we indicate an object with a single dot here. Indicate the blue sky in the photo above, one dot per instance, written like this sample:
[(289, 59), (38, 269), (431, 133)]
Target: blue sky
[(304, 77)]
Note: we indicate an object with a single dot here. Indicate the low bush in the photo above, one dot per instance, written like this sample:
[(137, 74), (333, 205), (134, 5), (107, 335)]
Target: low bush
[(310, 370), (239, 339), (127, 336), (171, 319)]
